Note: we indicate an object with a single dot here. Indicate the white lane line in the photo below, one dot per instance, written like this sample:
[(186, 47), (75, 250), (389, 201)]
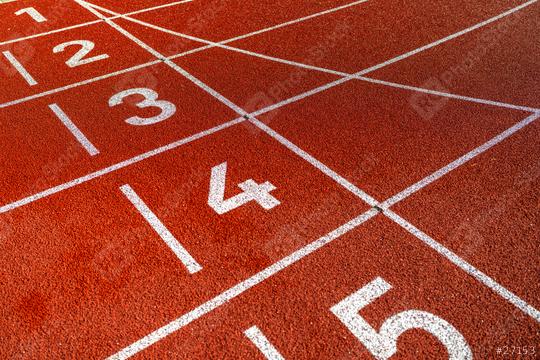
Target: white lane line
[(315, 163), (240, 288), (167, 61), (20, 68), (465, 266), (296, 21), (90, 23), (117, 166), (226, 47), (263, 344), (448, 38), (334, 72), (75, 131), (181, 253), (81, 83), (448, 95), (458, 162)]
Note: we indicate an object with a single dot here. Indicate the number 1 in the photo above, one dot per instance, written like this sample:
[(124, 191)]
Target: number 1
[(33, 13)]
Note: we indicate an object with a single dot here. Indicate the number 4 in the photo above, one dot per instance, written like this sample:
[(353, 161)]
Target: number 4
[(252, 192), (384, 343)]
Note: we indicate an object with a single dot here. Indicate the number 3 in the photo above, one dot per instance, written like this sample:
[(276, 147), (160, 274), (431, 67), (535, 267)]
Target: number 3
[(150, 100), (384, 344)]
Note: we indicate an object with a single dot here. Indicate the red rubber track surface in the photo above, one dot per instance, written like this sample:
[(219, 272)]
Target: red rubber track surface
[(445, 136)]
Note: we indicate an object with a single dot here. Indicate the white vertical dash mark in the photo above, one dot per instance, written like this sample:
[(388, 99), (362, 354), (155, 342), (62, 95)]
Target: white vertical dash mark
[(261, 342), (161, 230), (20, 68), (81, 138)]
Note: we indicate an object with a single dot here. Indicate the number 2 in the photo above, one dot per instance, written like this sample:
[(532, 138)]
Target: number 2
[(78, 59), (384, 343), (150, 100)]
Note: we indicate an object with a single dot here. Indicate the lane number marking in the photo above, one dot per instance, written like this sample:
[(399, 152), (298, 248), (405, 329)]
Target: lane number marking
[(168, 109), (383, 344), (252, 191), (78, 58), (33, 13)]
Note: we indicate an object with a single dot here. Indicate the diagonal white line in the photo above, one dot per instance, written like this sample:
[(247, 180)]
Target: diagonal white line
[(240, 288), (181, 253), (465, 266), (20, 68), (304, 155), (77, 133), (458, 162), (263, 344), (158, 55), (117, 166), (448, 38), (357, 75), (71, 27), (244, 286)]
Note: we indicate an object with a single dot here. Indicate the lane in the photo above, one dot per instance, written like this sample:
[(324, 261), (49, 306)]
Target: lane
[(379, 138), (121, 117), (369, 34), (57, 15), (66, 58), (293, 309), (219, 20), (498, 62), (86, 274), (487, 212)]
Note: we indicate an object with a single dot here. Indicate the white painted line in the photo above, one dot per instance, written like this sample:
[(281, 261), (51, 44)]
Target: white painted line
[(117, 166), (181, 253), (333, 72), (81, 83), (75, 131), (91, 22), (315, 163), (49, 32), (465, 266), (20, 68), (457, 163), (296, 21), (301, 96), (448, 95), (226, 47), (158, 55), (448, 38), (263, 344), (240, 288)]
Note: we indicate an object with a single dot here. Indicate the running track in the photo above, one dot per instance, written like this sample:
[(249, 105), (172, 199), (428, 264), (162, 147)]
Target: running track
[(270, 179)]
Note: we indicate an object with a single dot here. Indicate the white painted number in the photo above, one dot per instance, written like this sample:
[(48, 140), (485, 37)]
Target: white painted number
[(150, 100), (78, 59), (33, 13), (252, 192), (384, 343)]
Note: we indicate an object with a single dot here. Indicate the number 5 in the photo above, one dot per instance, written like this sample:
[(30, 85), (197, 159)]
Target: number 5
[(384, 343)]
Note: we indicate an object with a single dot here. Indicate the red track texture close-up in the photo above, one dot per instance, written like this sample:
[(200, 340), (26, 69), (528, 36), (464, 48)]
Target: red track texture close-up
[(270, 179)]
